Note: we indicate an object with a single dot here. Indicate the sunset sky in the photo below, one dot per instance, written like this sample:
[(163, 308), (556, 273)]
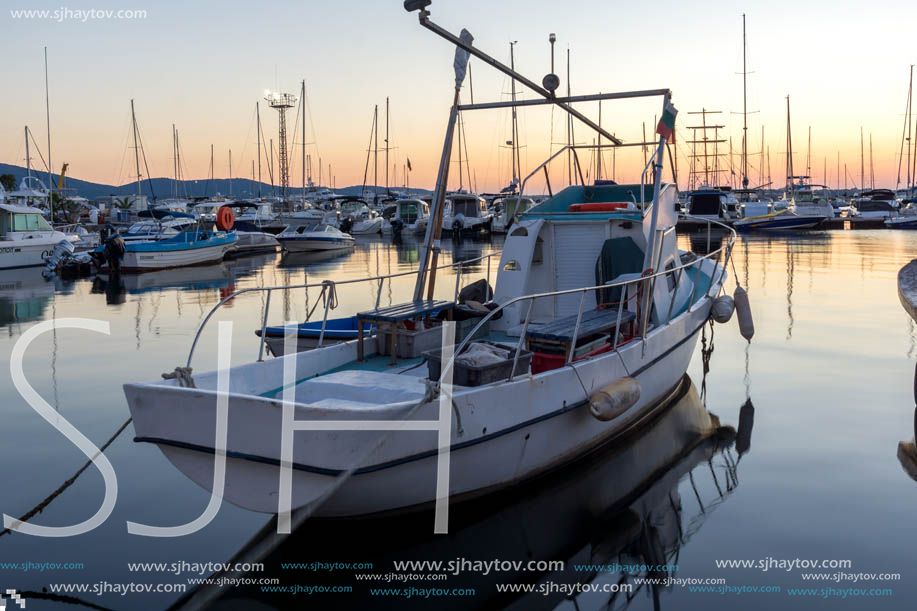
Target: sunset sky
[(203, 65)]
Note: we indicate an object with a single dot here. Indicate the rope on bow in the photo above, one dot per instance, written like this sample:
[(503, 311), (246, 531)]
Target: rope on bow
[(183, 375)]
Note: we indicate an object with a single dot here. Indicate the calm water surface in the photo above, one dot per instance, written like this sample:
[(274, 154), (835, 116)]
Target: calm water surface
[(827, 383)]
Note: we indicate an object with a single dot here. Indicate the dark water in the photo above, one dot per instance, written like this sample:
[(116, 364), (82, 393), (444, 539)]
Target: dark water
[(826, 382)]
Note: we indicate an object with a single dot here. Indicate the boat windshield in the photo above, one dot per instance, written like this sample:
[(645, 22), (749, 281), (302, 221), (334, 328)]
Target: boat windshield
[(465, 207), (309, 227), (30, 222), (704, 203)]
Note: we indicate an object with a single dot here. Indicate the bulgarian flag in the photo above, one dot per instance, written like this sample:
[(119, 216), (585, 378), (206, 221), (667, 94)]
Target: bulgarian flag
[(666, 125)]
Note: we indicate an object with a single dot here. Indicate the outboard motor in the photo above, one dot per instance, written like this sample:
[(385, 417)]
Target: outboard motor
[(112, 249), (62, 251), (346, 224), (457, 227), (397, 228)]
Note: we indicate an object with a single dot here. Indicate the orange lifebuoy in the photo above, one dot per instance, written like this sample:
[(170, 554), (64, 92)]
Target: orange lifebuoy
[(598, 207), (225, 218)]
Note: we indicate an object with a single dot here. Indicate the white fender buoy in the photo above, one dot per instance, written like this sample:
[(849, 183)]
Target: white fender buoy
[(611, 401), (723, 308), (743, 313)]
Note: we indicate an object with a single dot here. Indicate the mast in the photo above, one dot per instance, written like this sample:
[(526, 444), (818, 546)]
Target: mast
[(744, 110), (230, 172), (28, 156), (569, 129), (210, 184), (789, 148), (48, 123), (461, 179), (303, 97), (515, 128), (862, 163), (598, 149), (386, 144), (872, 174), (136, 149), (174, 164), (376, 153), (809, 154), (258, 115), (910, 113)]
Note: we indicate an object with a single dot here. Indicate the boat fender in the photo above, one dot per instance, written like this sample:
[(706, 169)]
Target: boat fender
[(225, 218), (743, 313), (613, 400), (723, 308)]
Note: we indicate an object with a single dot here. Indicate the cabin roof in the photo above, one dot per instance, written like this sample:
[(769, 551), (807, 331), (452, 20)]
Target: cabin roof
[(593, 194), (19, 209)]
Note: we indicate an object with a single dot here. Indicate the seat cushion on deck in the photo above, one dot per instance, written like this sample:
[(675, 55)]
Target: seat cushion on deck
[(358, 387)]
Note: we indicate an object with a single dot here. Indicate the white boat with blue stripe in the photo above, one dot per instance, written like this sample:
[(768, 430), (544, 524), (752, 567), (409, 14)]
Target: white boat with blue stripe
[(191, 247)]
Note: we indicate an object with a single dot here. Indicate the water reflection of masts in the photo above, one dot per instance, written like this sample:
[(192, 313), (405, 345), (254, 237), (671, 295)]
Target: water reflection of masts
[(790, 268)]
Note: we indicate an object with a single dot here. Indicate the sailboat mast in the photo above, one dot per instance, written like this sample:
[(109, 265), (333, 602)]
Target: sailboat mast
[(809, 154), (303, 99), (386, 144), (598, 149), (862, 163), (515, 129), (376, 152), (230, 172), (48, 124), (744, 110), (789, 148), (136, 148), (910, 113), (258, 145), (872, 174), (174, 164), (28, 156)]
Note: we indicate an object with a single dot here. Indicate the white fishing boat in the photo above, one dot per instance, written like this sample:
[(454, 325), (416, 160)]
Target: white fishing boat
[(26, 238), (249, 223), (596, 313), (356, 217), (410, 215), (314, 236)]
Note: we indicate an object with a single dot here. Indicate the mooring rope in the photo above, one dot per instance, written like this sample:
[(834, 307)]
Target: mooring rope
[(41, 506)]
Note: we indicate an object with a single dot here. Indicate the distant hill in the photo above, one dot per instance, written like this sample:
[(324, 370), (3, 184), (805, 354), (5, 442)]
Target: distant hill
[(163, 187)]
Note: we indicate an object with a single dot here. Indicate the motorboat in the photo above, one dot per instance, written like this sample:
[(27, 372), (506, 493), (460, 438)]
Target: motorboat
[(905, 217), (26, 238), (778, 220), (467, 213), (356, 217), (188, 247), (509, 208), (315, 334), (708, 204), (314, 236), (409, 215), (592, 293), (876, 204), (250, 238), (806, 201)]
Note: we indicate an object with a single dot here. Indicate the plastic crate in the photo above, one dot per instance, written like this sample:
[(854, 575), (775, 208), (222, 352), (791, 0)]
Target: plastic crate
[(469, 375), (411, 344)]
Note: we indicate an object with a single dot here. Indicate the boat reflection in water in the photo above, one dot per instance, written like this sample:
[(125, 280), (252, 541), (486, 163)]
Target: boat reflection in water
[(622, 504), (907, 453)]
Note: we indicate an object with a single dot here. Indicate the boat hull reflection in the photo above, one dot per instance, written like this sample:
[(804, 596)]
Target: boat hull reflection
[(619, 504)]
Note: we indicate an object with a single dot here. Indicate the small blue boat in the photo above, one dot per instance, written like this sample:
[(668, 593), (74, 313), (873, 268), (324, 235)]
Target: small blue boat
[(337, 330)]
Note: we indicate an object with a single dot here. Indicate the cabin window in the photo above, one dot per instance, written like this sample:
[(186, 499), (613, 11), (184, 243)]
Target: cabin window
[(30, 222), (511, 266), (520, 231), (538, 253), (467, 208), (670, 275)]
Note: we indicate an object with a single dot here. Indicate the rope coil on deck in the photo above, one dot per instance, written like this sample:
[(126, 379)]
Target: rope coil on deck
[(183, 375)]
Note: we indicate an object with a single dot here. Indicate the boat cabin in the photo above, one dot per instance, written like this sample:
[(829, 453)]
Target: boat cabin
[(466, 204), (21, 220)]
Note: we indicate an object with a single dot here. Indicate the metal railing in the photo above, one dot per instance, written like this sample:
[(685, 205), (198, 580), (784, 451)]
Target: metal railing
[(328, 296), (644, 285)]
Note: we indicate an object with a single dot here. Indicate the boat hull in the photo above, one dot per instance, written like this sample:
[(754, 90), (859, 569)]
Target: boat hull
[(543, 422), (30, 252), (780, 224), (307, 244)]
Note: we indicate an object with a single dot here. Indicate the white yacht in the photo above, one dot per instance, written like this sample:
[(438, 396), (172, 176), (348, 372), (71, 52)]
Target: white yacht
[(876, 204), (26, 238), (410, 215), (312, 236), (467, 213), (509, 209)]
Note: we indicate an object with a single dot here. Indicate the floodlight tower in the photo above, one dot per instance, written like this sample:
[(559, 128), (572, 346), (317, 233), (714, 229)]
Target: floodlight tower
[(281, 102)]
